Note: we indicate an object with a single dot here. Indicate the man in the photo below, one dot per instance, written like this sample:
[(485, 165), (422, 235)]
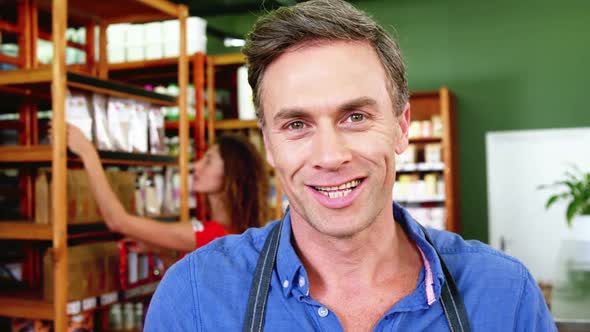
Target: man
[(332, 98)]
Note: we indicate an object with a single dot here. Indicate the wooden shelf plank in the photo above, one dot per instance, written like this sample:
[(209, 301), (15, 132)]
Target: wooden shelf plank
[(24, 230), (236, 124), (232, 124), (425, 140), (25, 306), (40, 79), (29, 304), (42, 154), (118, 89), (25, 76), (228, 59), (131, 65), (117, 11), (25, 154)]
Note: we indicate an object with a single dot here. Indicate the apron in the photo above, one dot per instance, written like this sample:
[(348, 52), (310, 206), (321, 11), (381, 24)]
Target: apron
[(255, 313)]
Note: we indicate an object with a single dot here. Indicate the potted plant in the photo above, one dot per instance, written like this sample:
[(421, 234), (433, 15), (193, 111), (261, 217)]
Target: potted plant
[(576, 191), (574, 254)]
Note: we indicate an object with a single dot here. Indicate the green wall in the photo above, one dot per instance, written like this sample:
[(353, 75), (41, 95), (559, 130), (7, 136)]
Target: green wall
[(511, 64)]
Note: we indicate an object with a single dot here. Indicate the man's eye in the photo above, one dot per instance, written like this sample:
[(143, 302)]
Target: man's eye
[(356, 117), (296, 125)]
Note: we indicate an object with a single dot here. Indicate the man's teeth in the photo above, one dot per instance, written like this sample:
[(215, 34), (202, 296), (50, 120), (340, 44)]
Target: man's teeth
[(339, 191)]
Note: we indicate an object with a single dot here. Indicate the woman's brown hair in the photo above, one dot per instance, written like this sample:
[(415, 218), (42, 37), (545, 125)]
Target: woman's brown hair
[(246, 183)]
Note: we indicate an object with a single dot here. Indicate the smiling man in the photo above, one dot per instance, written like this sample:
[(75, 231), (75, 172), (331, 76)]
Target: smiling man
[(332, 100)]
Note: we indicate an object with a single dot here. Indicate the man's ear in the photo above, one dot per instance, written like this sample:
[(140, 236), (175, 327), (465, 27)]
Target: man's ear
[(269, 158), (403, 121)]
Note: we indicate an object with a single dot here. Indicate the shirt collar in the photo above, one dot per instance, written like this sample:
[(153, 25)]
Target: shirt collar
[(290, 269)]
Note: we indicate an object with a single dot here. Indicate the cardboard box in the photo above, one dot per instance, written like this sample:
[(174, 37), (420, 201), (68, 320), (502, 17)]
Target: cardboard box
[(81, 206), (93, 269)]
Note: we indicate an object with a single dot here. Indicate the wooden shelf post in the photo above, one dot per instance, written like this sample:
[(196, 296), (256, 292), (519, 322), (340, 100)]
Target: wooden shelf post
[(59, 208), (183, 131)]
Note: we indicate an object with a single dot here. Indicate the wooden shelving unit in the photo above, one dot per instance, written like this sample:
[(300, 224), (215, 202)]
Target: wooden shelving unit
[(32, 85), (425, 104)]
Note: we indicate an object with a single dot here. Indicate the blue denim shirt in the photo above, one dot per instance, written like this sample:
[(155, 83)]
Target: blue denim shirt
[(208, 289)]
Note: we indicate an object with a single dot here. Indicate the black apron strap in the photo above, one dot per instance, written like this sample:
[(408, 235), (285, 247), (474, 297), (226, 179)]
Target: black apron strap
[(255, 313), (450, 298)]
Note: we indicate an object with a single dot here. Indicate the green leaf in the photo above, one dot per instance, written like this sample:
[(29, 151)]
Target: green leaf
[(555, 198), (572, 210)]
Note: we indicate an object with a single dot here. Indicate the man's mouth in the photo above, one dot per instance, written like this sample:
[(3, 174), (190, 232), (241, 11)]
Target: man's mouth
[(338, 191)]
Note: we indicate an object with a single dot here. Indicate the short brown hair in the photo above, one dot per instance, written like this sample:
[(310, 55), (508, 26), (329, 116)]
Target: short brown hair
[(318, 20), (246, 183)]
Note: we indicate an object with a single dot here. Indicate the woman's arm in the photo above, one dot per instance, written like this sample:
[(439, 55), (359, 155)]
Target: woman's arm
[(176, 236)]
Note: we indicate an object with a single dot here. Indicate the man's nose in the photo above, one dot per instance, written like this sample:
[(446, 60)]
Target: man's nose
[(330, 150)]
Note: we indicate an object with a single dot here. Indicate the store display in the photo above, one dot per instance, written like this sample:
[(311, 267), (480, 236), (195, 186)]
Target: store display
[(32, 242), (156, 131)]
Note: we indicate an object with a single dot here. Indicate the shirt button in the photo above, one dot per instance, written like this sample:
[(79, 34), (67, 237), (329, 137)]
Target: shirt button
[(323, 311), (286, 283), (301, 282)]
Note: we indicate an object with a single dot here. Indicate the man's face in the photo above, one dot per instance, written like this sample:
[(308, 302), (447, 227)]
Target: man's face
[(331, 133)]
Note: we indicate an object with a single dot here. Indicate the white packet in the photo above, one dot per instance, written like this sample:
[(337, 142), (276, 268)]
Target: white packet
[(78, 113), (156, 131), (118, 115), (102, 137), (138, 127)]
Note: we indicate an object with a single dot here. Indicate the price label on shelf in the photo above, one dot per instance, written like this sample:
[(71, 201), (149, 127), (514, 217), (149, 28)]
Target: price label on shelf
[(109, 298), (74, 308), (89, 303)]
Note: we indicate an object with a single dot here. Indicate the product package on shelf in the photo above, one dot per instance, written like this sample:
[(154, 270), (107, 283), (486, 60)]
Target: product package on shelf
[(156, 131), (102, 136), (82, 322), (433, 217), (78, 113), (126, 317), (137, 268), (119, 114), (82, 207), (138, 127), (150, 194), (92, 268)]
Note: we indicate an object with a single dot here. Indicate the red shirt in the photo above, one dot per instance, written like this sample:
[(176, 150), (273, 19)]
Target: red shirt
[(209, 231)]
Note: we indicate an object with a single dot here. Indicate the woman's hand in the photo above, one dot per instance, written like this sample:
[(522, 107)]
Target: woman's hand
[(77, 142)]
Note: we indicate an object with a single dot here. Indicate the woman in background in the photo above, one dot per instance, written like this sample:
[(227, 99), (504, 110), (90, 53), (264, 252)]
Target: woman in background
[(231, 173)]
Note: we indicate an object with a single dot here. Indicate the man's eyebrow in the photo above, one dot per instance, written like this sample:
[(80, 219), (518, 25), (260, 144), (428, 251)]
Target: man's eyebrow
[(290, 113), (298, 112), (357, 103)]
